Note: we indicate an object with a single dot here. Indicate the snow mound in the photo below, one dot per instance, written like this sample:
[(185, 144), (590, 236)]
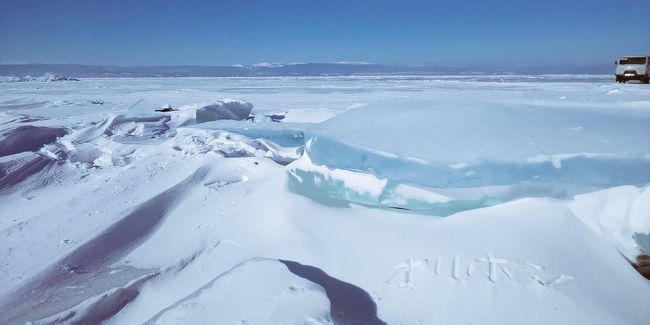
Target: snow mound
[(225, 109), (256, 291)]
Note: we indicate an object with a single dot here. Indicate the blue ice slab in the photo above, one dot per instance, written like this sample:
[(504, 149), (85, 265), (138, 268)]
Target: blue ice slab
[(284, 134), (226, 109), (468, 145)]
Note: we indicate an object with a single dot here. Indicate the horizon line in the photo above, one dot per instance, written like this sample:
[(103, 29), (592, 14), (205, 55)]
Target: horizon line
[(282, 64)]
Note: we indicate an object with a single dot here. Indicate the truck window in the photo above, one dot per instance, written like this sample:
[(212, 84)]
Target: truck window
[(635, 60)]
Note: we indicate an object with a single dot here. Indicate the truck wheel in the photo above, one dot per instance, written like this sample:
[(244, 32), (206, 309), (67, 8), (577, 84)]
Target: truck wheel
[(646, 80)]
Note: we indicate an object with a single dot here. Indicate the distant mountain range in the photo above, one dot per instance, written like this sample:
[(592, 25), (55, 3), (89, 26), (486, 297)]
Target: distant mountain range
[(292, 69)]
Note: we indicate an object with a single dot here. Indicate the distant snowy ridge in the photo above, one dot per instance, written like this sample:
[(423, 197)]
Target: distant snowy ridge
[(45, 77)]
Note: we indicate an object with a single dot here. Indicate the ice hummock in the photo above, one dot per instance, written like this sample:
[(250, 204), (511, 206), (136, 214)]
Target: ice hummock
[(476, 156), (463, 135), (225, 109)]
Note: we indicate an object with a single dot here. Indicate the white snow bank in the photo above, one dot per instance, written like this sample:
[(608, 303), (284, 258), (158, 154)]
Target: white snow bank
[(96, 309), (120, 139), (543, 260), (257, 291)]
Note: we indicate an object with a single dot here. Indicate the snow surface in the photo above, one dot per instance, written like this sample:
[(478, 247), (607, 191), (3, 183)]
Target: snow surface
[(400, 200)]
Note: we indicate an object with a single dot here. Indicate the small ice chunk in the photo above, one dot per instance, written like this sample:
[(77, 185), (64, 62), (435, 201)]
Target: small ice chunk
[(277, 116), (225, 109)]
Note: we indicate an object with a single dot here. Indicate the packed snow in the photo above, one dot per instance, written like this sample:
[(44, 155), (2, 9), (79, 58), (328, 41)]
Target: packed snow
[(324, 200)]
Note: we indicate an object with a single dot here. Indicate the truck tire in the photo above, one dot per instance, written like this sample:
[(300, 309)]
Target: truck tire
[(646, 80)]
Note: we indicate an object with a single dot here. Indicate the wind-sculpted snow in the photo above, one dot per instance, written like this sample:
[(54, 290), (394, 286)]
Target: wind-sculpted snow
[(99, 253), (16, 171), (95, 310), (232, 297), (28, 138), (123, 128), (344, 303)]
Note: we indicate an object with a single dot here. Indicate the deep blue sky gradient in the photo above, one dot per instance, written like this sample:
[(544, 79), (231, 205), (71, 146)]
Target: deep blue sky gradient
[(502, 33)]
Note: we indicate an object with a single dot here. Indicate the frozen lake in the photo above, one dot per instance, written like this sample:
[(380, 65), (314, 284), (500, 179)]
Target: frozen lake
[(440, 199)]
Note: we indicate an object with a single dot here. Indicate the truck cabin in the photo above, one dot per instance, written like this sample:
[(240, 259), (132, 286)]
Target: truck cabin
[(633, 60), (633, 68)]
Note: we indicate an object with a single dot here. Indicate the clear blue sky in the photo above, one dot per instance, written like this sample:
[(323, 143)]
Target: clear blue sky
[(117, 32)]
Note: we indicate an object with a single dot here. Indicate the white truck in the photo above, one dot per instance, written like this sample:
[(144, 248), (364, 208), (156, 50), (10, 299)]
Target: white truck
[(633, 68)]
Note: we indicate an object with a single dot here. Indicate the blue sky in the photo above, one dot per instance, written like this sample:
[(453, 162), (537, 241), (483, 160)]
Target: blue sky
[(501, 33)]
